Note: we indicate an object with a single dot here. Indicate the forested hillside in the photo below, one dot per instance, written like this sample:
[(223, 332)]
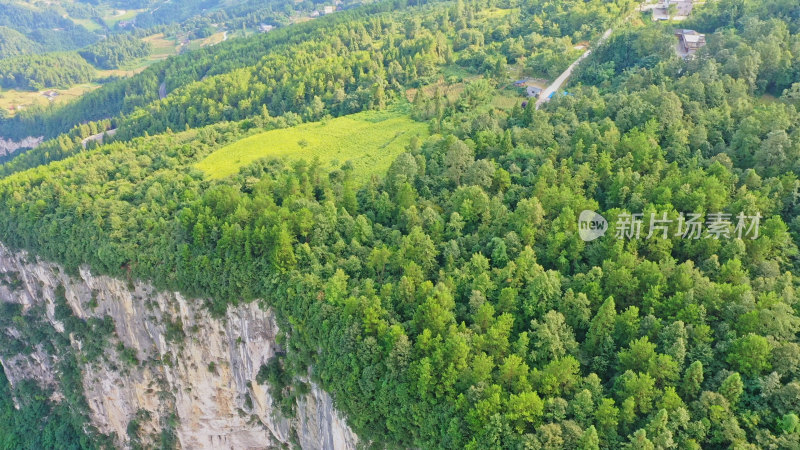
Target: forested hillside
[(115, 51), (44, 27), (288, 70), (450, 302), (36, 72), (118, 40), (124, 96), (27, 19), (13, 43)]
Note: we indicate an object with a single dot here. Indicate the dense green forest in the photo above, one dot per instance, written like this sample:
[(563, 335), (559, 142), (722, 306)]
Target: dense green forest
[(44, 27), (169, 12), (198, 13), (36, 72), (115, 51), (26, 19), (451, 301), (13, 43)]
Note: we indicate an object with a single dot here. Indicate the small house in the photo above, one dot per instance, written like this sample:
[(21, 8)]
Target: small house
[(328, 9), (689, 41), (533, 91)]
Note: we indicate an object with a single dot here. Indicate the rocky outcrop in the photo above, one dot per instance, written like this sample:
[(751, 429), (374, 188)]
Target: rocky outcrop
[(196, 369), (7, 147)]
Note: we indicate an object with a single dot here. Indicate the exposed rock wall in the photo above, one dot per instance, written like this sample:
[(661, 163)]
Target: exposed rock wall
[(193, 367), (8, 147)]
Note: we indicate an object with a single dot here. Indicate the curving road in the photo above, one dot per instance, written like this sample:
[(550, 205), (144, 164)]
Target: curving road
[(544, 97), (99, 137)]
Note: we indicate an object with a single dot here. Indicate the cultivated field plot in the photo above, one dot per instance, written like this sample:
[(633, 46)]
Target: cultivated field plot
[(11, 100), (162, 46), (370, 140)]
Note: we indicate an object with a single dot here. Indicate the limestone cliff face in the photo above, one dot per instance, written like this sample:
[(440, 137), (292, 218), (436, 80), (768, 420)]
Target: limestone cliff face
[(196, 369), (8, 147)]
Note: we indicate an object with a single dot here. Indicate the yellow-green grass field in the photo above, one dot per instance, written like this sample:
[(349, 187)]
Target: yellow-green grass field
[(495, 13), (508, 98), (162, 46), (215, 38), (451, 92), (370, 140), (115, 16), (89, 24), (11, 99)]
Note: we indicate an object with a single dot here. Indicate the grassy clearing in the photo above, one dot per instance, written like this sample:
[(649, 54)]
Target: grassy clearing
[(89, 24), (454, 71), (163, 47), (495, 13), (300, 19), (120, 15), (10, 99), (215, 38), (769, 98), (370, 140), (507, 99), (449, 91), (124, 72)]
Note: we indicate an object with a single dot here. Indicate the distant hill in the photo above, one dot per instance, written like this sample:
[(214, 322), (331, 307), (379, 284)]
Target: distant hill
[(26, 20), (46, 29), (13, 43)]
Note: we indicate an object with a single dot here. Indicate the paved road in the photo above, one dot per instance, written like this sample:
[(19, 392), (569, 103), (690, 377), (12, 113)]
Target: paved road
[(162, 90), (544, 97), (98, 137)]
